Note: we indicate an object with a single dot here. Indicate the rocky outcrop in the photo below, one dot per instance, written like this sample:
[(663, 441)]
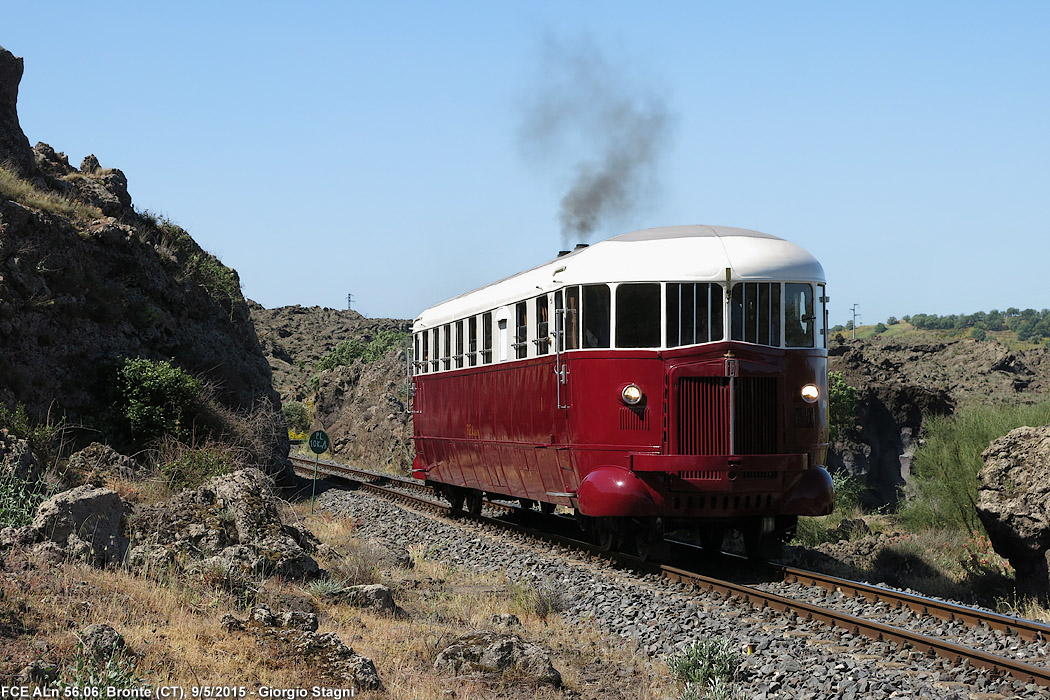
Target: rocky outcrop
[(900, 383), (489, 654), (86, 282), (963, 368), (880, 445), (362, 408), (1013, 502), (325, 654), (14, 146), (97, 461), (84, 523), (230, 526)]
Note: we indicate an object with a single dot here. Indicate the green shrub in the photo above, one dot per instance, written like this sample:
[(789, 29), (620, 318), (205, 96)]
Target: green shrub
[(19, 500), (945, 466), (220, 281), (158, 398), (706, 668), (40, 436), (842, 401), (296, 415), (91, 672)]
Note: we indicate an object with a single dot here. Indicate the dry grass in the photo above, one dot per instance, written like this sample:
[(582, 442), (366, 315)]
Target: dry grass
[(444, 602), (25, 193), (171, 620)]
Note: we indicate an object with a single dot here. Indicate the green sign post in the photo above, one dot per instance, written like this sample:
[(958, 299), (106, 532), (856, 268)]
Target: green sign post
[(319, 443)]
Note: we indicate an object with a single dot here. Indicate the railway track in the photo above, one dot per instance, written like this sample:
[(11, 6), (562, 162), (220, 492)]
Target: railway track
[(898, 604)]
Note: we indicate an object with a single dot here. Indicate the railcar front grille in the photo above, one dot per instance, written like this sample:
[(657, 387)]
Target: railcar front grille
[(704, 415), (755, 427)]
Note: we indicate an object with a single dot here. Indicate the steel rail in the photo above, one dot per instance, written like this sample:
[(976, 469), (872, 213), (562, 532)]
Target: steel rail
[(943, 610), (761, 599), (869, 628)]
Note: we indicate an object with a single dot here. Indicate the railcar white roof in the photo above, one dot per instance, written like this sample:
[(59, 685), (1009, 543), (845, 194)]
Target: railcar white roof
[(668, 254)]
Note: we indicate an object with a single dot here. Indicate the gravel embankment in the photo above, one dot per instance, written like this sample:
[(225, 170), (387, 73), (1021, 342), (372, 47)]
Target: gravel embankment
[(790, 658)]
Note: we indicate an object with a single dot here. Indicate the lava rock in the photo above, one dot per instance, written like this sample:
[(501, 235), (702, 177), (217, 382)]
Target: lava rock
[(1013, 504), (488, 653)]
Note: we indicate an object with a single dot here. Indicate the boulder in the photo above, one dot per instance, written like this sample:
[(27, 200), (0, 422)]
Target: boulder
[(490, 654), (83, 523), (96, 461), (230, 524), (1013, 503), (376, 596), (102, 642), (14, 146), (324, 653), (106, 189)]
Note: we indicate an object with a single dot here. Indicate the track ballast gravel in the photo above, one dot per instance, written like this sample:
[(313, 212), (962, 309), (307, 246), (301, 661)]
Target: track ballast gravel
[(789, 657)]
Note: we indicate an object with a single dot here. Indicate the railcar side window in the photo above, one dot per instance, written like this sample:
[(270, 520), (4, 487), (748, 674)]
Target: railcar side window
[(459, 344), (486, 338), (694, 313), (572, 318), (446, 346), (596, 316), (638, 315), (472, 340), (421, 352), (434, 361), (521, 330), (543, 341), (799, 320), (755, 313)]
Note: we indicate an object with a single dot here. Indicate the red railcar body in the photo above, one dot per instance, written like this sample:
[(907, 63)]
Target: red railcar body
[(720, 434)]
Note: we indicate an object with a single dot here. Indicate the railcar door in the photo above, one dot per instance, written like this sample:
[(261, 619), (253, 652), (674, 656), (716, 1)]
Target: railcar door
[(565, 335)]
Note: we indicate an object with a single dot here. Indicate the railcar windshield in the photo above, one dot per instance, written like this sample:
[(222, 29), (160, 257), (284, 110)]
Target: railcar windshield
[(755, 313), (694, 313)]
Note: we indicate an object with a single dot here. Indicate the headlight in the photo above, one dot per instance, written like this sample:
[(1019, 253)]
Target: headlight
[(631, 394), (810, 393)]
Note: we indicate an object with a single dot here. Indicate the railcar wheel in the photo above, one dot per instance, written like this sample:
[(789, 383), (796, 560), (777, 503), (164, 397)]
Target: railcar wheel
[(475, 499), (760, 546), (547, 508), (649, 541), (454, 495), (607, 532), (526, 503), (711, 538), (786, 528)]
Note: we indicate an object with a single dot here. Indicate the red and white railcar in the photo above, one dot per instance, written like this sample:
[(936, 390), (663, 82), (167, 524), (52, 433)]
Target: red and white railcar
[(663, 379)]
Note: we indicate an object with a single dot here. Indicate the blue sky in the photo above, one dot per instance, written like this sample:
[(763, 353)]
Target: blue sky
[(375, 149)]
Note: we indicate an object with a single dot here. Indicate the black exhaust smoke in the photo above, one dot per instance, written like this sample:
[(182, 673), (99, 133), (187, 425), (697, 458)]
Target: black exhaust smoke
[(587, 121)]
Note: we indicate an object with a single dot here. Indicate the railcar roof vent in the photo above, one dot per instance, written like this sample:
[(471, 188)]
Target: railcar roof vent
[(581, 246), (563, 252)]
